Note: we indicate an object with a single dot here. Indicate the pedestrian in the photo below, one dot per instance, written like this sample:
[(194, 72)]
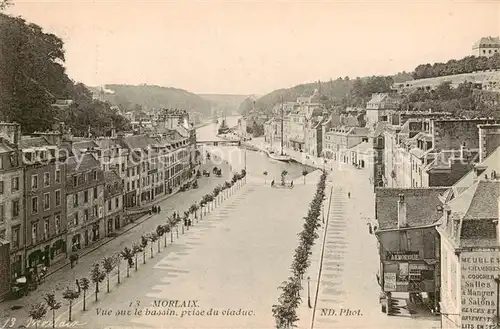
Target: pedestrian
[(272, 183), (291, 184), (159, 209), (349, 195)]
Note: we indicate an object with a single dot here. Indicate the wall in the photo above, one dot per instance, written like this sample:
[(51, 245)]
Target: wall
[(450, 286), (10, 131), (4, 270), (451, 134), (449, 177), (478, 289)]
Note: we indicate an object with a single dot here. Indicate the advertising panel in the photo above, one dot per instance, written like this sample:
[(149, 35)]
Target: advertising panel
[(479, 289), (389, 282)]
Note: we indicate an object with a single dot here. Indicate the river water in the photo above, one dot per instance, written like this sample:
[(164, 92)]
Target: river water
[(256, 162)]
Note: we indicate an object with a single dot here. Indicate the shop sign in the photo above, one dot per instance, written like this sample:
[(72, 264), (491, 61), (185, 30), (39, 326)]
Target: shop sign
[(479, 289), (389, 282), (402, 255)]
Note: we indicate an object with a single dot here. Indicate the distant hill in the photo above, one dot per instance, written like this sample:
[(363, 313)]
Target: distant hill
[(149, 96), (225, 102), (339, 92)]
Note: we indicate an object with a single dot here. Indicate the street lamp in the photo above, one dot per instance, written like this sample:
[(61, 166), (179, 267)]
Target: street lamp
[(308, 292), (497, 281)]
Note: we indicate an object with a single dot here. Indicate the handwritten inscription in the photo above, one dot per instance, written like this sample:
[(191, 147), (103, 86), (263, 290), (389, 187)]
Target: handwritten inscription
[(174, 308)]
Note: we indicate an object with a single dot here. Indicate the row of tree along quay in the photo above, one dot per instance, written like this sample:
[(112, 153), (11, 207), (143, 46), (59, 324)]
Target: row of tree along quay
[(103, 270), (284, 311)]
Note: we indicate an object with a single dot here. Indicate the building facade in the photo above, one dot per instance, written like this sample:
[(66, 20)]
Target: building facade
[(487, 46), (44, 202), (409, 245), (11, 203), (113, 202), (84, 201)]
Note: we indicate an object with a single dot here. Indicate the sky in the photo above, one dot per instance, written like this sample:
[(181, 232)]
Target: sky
[(255, 47)]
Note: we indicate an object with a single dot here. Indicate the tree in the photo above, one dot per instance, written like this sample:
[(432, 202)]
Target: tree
[(144, 244), (161, 230), (108, 264), (96, 276), (127, 254), (70, 295), (84, 284), (37, 312), (153, 237), (265, 173), (304, 174), (136, 249), (4, 4), (118, 259), (53, 305)]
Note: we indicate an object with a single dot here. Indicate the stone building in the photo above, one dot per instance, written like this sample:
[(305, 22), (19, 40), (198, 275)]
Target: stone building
[(84, 201), (430, 151), (11, 202), (113, 202), (486, 46), (408, 241), (44, 200), (470, 248)]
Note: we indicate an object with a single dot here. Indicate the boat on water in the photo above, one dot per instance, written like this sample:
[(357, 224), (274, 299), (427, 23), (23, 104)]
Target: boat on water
[(223, 128), (278, 157)]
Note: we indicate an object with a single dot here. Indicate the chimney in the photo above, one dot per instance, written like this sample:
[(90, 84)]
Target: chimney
[(402, 211)]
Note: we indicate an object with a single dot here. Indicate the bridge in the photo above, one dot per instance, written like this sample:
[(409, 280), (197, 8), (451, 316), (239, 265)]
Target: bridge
[(220, 143)]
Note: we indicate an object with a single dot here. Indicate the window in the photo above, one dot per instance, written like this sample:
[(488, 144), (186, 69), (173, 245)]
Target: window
[(34, 205), (58, 176), (45, 228), (117, 202), (95, 211), (34, 232), (15, 184), (57, 223), (58, 197), (2, 213), (15, 237), (15, 208), (75, 199), (34, 181), (46, 179), (122, 167), (85, 196), (95, 174), (76, 219), (2, 234), (75, 181), (46, 201), (133, 185), (85, 215), (95, 193), (128, 186), (109, 205), (1, 187)]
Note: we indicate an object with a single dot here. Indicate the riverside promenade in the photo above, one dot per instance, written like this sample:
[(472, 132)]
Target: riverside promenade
[(343, 288), (231, 262)]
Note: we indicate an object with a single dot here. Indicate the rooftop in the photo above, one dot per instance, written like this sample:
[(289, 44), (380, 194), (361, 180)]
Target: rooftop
[(421, 205)]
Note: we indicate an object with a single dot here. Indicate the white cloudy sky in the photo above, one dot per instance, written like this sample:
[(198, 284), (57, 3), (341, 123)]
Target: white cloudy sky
[(256, 46)]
